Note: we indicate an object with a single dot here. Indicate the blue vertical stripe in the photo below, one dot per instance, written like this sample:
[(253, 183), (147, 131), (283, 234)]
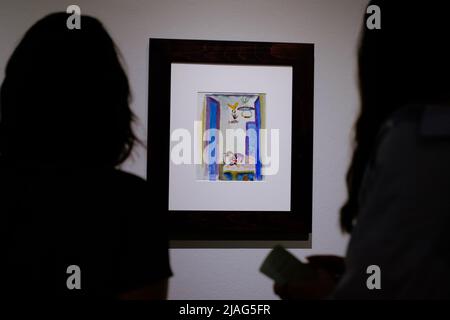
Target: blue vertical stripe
[(213, 121), (258, 126)]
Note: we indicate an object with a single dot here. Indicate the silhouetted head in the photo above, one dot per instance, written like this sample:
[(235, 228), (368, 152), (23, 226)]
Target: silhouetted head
[(406, 62), (65, 98)]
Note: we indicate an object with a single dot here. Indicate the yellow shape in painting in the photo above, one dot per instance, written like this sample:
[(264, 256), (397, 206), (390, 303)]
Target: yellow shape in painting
[(233, 106)]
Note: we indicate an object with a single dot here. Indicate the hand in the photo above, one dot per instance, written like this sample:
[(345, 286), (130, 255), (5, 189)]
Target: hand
[(329, 270)]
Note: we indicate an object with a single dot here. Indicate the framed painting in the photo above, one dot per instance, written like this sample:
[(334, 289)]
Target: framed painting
[(230, 140)]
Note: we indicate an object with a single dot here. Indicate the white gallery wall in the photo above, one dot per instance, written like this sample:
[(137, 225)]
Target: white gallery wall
[(334, 27)]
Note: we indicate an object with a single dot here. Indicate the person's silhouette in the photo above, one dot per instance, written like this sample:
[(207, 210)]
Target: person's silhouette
[(65, 126), (398, 183)]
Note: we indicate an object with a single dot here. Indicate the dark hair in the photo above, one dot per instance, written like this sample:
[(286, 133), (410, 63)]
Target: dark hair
[(406, 62), (65, 98)]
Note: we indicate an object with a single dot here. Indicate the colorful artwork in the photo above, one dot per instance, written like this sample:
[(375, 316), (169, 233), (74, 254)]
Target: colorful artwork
[(231, 144)]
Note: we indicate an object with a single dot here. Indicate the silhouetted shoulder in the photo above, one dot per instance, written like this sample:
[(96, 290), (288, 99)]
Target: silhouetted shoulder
[(404, 204), (432, 121), (99, 219)]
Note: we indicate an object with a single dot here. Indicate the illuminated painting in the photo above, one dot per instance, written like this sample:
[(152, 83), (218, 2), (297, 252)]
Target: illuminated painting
[(231, 141)]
